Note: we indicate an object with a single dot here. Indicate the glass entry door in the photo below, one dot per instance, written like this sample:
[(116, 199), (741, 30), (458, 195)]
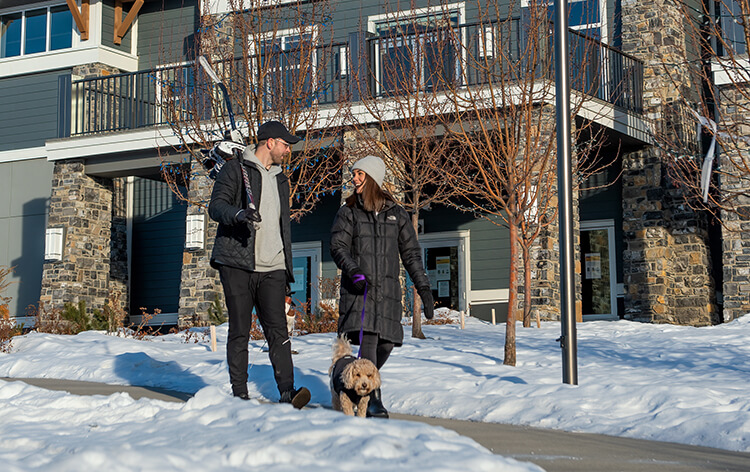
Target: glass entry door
[(598, 280), (442, 266)]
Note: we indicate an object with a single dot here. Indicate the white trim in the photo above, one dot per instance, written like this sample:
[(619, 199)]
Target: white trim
[(609, 225), (129, 205), (313, 250), (730, 71), (66, 59), (23, 154), (416, 12), (217, 7), (487, 297), (461, 239), (150, 138)]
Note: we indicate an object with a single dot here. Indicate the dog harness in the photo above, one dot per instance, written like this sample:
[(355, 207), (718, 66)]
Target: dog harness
[(338, 383)]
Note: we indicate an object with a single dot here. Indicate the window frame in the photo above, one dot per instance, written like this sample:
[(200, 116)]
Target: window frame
[(377, 23), (48, 7), (284, 36)]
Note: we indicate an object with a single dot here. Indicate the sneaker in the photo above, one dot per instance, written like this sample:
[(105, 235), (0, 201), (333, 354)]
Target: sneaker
[(297, 397)]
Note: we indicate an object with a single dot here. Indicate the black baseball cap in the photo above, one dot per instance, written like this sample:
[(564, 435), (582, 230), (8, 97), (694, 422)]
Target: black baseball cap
[(276, 130)]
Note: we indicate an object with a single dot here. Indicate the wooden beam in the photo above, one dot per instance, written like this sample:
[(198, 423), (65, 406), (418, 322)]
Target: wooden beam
[(121, 26), (80, 17)]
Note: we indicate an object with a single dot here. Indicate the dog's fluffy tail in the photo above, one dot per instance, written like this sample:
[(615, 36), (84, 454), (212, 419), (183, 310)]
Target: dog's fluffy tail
[(341, 348)]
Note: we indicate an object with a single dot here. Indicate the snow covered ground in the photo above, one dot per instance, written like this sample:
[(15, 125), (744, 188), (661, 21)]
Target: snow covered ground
[(660, 382)]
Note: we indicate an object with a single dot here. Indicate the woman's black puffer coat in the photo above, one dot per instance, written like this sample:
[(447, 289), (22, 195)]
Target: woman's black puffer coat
[(369, 243)]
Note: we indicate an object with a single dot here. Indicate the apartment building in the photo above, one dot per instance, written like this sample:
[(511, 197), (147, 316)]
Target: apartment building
[(88, 212)]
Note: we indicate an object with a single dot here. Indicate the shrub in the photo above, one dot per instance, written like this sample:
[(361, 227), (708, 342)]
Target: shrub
[(216, 312), (49, 320), (8, 327)]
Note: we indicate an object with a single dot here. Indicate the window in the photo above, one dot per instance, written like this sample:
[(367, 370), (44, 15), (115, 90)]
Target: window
[(287, 61), (417, 52), (584, 16), (732, 27), (36, 31)]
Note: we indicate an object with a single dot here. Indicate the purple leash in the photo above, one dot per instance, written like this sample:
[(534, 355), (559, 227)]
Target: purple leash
[(359, 278)]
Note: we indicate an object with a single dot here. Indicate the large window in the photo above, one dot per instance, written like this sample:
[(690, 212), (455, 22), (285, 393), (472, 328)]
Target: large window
[(418, 52), (36, 31), (732, 27), (287, 62)]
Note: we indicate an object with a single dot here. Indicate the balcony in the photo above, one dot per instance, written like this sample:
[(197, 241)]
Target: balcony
[(435, 57)]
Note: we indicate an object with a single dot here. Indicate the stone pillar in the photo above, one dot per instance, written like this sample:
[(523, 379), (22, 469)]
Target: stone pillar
[(82, 205), (666, 258), (200, 284), (736, 229), (545, 252), (118, 269)]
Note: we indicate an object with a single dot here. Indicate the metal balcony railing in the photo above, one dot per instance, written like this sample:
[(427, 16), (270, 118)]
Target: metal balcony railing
[(427, 57)]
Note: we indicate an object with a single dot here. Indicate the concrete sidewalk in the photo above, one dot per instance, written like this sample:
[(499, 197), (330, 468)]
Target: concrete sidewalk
[(554, 451)]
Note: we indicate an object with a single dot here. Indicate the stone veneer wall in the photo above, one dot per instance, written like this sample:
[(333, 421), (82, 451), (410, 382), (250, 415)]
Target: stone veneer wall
[(736, 231), (118, 269), (200, 284), (666, 258), (545, 252), (82, 205)]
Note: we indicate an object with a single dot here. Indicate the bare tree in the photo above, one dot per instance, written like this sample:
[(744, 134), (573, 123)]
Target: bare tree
[(503, 119), (277, 61), (709, 116)]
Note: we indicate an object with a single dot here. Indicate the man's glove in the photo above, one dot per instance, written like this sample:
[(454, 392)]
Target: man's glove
[(359, 283), (429, 303), (249, 215)]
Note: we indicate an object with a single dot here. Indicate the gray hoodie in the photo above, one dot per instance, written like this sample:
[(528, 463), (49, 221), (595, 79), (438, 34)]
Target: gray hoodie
[(269, 247)]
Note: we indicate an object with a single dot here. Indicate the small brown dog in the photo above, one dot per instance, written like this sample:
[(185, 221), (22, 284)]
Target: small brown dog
[(352, 379)]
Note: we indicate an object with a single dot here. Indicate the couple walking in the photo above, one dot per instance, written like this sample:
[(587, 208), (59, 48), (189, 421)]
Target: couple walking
[(253, 254)]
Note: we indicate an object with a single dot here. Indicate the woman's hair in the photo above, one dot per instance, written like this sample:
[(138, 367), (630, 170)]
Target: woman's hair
[(373, 197)]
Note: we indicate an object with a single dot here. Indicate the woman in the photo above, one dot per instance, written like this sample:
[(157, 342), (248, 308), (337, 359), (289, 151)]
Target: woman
[(369, 235)]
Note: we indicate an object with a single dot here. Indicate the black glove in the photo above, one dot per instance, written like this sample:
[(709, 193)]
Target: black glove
[(359, 283), (429, 303), (248, 215)]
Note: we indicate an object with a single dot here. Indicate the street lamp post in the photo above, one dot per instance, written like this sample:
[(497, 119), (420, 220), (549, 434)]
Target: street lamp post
[(567, 339)]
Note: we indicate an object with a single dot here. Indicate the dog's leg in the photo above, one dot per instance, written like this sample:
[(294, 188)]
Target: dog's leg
[(346, 404), (335, 401), (362, 406)]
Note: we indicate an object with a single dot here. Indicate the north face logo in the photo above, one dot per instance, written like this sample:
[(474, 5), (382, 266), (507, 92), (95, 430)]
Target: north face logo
[(391, 217)]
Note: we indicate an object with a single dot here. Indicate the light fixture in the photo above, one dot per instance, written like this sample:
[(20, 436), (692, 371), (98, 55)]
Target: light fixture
[(53, 244), (195, 232)]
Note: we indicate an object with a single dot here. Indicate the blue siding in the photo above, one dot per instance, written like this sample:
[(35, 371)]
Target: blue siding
[(25, 188), (157, 247), (28, 110)]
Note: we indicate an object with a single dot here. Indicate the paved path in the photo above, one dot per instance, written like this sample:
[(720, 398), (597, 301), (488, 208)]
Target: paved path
[(554, 451)]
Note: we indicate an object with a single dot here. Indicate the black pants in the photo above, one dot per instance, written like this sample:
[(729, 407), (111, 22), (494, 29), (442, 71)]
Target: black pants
[(265, 291), (373, 348)]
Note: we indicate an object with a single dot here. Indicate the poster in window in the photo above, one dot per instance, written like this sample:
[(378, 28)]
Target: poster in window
[(593, 265), (444, 289), (443, 268)]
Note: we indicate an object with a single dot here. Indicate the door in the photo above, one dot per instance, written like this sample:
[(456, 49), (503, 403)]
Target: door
[(598, 281), (306, 263), (446, 259)]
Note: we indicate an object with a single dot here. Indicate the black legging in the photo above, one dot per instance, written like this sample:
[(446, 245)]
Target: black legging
[(373, 348)]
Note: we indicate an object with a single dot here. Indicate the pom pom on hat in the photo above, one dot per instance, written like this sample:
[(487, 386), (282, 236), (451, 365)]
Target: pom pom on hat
[(372, 166)]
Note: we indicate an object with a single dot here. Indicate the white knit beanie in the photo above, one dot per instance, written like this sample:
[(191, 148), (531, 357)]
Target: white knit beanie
[(372, 166)]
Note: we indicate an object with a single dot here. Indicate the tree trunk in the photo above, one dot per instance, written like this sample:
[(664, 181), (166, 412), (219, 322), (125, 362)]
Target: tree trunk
[(416, 312), (510, 323), (526, 286)]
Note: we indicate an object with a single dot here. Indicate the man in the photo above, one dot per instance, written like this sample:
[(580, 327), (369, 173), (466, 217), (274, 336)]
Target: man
[(253, 253)]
